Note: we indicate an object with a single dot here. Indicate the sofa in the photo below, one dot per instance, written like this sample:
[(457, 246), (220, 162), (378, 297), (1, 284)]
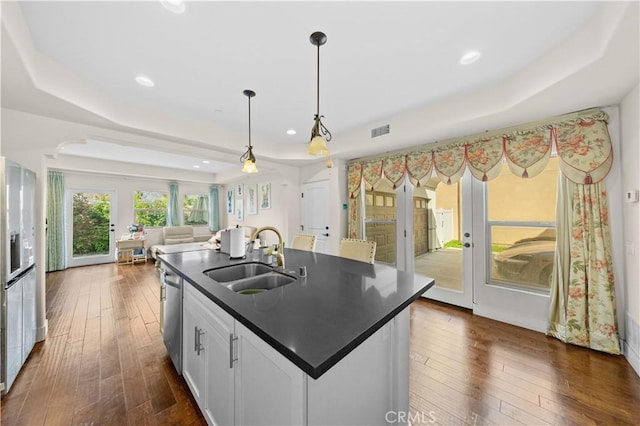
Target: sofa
[(178, 239)]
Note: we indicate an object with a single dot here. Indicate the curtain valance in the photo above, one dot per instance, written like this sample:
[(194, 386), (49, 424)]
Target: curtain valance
[(581, 139)]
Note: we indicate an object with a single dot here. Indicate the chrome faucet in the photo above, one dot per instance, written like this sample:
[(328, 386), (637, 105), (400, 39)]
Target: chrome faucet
[(280, 255)]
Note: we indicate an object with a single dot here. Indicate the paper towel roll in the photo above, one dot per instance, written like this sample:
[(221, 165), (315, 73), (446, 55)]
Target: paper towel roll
[(225, 245), (236, 243)]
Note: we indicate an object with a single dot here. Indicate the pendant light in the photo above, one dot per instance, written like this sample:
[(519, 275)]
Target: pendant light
[(248, 158), (318, 145)]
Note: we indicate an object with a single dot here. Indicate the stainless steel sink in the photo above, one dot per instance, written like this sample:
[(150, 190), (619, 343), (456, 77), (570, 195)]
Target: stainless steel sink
[(249, 278), (260, 283), (230, 273)]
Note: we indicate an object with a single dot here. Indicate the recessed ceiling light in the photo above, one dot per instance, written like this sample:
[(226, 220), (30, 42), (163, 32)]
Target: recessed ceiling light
[(175, 6), (145, 81), (206, 161), (291, 132), (196, 166), (470, 57)]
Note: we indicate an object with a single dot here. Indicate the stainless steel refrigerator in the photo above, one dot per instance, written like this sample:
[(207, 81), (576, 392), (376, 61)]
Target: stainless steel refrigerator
[(17, 268)]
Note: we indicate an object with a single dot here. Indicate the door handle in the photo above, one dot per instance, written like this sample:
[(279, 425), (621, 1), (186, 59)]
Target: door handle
[(326, 235)]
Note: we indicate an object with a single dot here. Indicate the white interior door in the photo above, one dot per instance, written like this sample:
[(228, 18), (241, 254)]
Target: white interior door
[(315, 212), (91, 227)]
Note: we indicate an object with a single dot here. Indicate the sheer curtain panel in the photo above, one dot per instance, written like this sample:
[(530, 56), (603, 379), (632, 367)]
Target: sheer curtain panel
[(55, 235), (214, 213), (173, 213)]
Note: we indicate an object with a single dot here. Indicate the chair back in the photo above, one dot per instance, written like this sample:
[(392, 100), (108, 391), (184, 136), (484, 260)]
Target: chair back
[(304, 242), (361, 250)]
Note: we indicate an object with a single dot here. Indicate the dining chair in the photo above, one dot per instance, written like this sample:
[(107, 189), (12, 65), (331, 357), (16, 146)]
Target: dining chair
[(361, 250), (304, 242)]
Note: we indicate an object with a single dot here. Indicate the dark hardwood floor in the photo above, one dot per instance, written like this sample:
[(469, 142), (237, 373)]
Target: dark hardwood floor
[(104, 363)]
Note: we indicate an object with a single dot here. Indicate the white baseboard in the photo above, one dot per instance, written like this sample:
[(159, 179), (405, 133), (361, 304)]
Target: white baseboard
[(632, 343), (41, 332)]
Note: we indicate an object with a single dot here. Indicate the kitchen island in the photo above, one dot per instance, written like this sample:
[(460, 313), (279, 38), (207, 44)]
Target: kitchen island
[(331, 347)]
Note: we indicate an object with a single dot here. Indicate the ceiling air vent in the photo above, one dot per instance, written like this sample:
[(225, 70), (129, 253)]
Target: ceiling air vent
[(379, 131)]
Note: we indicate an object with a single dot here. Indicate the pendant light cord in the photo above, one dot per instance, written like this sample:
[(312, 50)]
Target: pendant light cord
[(318, 84)]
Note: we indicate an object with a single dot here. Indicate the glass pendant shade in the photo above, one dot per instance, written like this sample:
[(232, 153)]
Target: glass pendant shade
[(318, 146), (249, 167)]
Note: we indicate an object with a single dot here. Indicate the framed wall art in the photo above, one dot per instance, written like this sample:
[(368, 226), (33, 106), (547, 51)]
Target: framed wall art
[(239, 190), (265, 196), (230, 201), (240, 210), (252, 198)]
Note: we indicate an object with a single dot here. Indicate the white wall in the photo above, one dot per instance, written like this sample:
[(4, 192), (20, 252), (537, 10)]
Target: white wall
[(284, 213), (630, 155)]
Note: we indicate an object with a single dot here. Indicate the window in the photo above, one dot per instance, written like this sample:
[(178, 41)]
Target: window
[(195, 209), (150, 208), (522, 229)]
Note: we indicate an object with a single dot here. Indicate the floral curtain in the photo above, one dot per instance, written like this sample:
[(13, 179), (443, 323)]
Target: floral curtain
[(583, 309), (581, 139), (56, 255), (354, 182)]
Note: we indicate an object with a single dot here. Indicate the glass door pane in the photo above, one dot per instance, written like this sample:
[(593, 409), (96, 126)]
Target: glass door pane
[(380, 221), (91, 236), (518, 251), (441, 228)]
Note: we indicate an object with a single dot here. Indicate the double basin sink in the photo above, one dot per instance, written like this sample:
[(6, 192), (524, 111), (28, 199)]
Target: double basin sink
[(249, 278)]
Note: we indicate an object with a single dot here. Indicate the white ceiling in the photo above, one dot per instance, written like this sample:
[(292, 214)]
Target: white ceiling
[(384, 62)]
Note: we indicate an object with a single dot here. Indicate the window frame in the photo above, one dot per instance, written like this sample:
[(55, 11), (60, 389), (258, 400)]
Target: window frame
[(164, 210)]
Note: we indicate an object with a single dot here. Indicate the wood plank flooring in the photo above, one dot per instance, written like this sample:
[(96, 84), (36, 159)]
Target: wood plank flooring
[(104, 363)]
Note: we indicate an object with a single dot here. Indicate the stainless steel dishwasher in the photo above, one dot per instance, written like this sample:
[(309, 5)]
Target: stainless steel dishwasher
[(171, 311)]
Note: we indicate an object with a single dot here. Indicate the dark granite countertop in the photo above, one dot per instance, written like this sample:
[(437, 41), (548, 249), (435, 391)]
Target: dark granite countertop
[(318, 319)]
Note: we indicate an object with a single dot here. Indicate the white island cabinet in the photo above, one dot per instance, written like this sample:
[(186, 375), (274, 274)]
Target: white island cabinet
[(207, 331), (235, 377)]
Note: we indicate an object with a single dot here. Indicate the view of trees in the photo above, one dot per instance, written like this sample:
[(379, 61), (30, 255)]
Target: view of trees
[(195, 209), (91, 214), (150, 208)]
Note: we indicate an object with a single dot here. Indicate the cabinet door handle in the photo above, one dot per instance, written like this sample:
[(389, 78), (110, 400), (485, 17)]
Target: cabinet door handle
[(196, 343), (199, 347), (163, 293), (231, 351)]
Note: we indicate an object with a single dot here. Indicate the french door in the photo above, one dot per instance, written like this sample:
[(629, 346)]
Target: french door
[(90, 230), (444, 237), (489, 245), (517, 221)]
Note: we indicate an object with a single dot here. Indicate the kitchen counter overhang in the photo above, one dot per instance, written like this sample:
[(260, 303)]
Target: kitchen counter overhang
[(318, 319)]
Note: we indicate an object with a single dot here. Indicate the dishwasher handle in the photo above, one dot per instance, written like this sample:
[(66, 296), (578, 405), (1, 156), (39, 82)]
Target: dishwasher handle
[(171, 280)]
